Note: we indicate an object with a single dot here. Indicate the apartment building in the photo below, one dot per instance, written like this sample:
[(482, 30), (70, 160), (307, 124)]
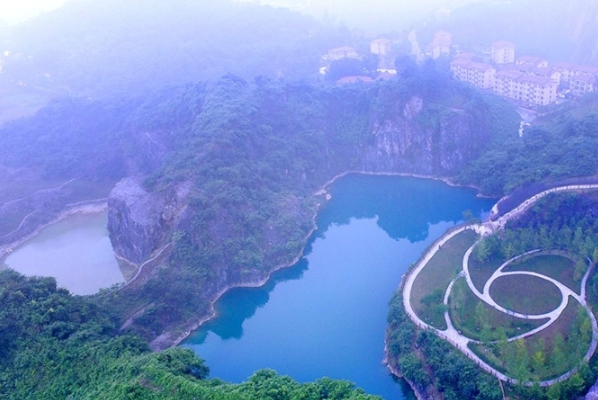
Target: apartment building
[(582, 83), (441, 44), (539, 71), (478, 74), (381, 46), (566, 69), (516, 85), (503, 52)]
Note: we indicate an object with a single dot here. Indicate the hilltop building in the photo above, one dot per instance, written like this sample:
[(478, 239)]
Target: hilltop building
[(441, 44), (478, 74), (342, 52), (532, 69), (503, 52), (566, 70), (582, 83), (381, 46), (524, 87)]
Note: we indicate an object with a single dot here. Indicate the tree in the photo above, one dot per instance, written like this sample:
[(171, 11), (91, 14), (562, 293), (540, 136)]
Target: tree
[(346, 67), (482, 251), (580, 269)]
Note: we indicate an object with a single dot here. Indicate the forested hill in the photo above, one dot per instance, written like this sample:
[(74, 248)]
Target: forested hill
[(103, 48), (229, 167), (57, 346)]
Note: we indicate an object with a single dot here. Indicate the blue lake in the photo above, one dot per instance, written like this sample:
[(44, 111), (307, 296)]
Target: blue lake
[(326, 316)]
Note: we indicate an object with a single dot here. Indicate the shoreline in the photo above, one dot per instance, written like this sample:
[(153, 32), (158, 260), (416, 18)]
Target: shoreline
[(70, 210), (189, 329), (418, 394), (163, 341)]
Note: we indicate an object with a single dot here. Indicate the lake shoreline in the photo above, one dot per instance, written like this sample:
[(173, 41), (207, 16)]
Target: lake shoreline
[(81, 208), (166, 339)]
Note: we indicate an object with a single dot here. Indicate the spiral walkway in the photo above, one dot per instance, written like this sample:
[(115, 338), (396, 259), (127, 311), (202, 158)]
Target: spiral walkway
[(453, 336)]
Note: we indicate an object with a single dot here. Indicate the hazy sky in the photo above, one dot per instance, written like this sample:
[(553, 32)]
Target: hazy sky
[(381, 15), (370, 14), (15, 11)]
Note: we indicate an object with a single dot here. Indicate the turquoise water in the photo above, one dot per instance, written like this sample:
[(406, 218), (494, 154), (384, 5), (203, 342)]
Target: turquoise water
[(326, 316), (76, 251)]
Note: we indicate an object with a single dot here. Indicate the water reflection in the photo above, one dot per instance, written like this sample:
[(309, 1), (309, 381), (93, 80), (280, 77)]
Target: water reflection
[(326, 316), (239, 304), (405, 207)]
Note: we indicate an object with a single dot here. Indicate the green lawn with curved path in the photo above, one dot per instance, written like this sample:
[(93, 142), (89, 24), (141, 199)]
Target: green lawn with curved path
[(525, 294), (556, 266), (464, 311), (430, 285)]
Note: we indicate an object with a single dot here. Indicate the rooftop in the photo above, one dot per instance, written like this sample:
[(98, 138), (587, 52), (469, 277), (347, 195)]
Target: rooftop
[(502, 44), (442, 33), (562, 65), (341, 49), (584, 78), (464, 62), (441, 41), (381, 41), (530, 60), (586, 69), (536, 80), (510, 74), (465, 56), (544, 71), (472, 64)]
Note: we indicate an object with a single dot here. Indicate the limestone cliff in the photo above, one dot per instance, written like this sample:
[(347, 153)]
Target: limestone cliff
[(139, 222), (405, 143)]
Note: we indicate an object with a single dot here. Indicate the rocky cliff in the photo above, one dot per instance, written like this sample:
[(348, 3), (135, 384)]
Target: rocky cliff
[(139, 222), (440, 146)]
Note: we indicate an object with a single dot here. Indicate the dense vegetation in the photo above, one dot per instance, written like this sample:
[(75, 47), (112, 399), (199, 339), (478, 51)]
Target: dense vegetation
[(58, 346), (417, 353), (564, 145)]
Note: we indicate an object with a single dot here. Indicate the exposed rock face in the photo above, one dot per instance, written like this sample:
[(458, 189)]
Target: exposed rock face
[(441, 145), (139, 222)]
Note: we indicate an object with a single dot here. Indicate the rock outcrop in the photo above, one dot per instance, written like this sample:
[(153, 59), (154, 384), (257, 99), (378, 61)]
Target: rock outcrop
[(442, 145), (139, 222)]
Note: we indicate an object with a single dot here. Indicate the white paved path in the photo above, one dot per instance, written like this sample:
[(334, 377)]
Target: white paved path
[(455, 337)]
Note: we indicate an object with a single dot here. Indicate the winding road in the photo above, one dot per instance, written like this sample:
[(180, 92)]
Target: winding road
[(453, 336)]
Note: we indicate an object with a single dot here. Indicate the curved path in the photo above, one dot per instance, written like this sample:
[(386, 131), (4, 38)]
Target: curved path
[(453, 336)]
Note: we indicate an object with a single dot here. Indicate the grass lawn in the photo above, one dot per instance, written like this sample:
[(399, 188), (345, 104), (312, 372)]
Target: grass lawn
[(555, 266), (525, 294), (432, 282), (462, 308), (481, 272), (552, 362)]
